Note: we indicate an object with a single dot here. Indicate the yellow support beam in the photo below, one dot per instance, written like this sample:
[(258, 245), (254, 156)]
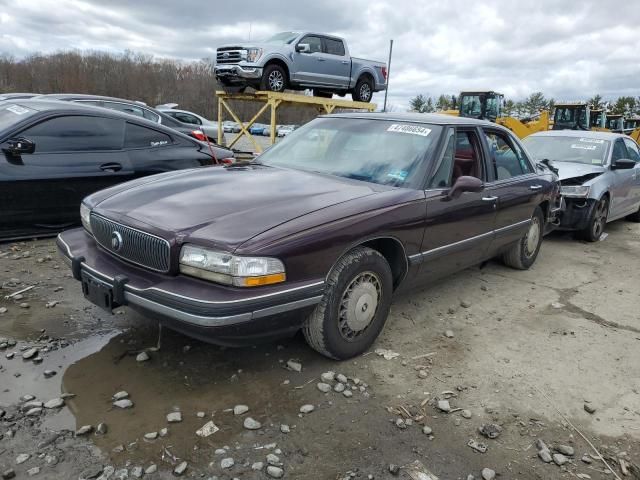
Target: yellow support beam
[(273, 100)]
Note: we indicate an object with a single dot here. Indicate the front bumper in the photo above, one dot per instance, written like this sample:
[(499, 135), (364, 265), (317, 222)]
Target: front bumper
[(577, 213), (237, 73), (210, 312)]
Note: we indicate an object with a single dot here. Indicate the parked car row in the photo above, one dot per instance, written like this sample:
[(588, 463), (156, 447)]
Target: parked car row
[(55, 153)]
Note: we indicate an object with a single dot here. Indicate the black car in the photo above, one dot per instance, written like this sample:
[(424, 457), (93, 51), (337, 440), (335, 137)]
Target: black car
[(131, 107), (53, 154)]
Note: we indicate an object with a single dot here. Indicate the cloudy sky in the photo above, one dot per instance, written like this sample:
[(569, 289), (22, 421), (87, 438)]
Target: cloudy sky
[(569, 49)]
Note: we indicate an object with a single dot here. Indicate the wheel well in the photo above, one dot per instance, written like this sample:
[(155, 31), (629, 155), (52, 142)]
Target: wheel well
[(280, 63), (393, 251), (544, 206), (366, 75)]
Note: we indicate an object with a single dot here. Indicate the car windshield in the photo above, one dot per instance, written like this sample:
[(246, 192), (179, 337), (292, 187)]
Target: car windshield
[(383, 152), (282, 38), (567, 149), (11, 113)]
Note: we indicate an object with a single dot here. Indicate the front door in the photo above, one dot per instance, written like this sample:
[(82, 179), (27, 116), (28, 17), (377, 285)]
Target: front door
[(458, 230), (74, 156), (623, 183), (337, 62), (308, 65), (634, 154), (513, 184)]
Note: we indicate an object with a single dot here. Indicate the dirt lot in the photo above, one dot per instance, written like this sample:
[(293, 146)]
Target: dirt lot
[(523, 350)]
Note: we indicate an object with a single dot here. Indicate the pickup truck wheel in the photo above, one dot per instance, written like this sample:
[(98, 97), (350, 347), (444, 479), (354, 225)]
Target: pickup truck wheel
[(274, 79), (354, 307), (595, 226), (363, 91), (524, 253)]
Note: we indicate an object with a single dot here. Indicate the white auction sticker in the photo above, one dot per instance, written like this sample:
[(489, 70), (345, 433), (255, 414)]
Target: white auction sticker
[(17, 109), (591, 140), (584, 147), (411, 129)]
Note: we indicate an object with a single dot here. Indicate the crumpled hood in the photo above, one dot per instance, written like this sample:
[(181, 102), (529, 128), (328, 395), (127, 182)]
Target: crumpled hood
[(228, 206), (571, 169)]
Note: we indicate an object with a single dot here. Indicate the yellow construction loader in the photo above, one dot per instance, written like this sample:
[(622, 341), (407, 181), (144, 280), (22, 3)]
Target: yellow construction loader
[(487, 105)]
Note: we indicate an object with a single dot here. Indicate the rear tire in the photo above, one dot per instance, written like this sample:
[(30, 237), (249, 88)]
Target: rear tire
[(354, 307), (595, 226), (363, 91), (524, 253), (274, 79)]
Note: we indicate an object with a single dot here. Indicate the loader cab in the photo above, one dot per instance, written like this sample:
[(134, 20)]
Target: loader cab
[(597, 118), (481, 105), (572, 116), (631, 123), (615, 123)]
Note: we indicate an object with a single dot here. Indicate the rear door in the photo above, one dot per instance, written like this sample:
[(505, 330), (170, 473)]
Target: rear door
[(513, 185), (75, 155), (309, 66), (458, 231), (338, 63), (152, 151), (634, 154)]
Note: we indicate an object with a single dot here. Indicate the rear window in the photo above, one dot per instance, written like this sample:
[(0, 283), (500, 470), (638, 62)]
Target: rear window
[(13, 113), (334, 47), (143, 137)]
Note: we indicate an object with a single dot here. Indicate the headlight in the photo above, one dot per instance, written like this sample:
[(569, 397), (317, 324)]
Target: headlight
[(579, 191), (85, 217), (230, 269), (253, 54)]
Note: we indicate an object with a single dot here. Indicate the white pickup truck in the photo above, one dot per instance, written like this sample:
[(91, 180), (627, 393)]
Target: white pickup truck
[(297, 61)]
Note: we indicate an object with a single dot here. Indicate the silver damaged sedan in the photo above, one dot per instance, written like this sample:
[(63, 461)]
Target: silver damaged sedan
[(599, 173)]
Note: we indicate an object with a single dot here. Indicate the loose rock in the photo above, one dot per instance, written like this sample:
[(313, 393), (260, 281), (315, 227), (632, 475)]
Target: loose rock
[(126, 403), (151, 436), (488, 474), (49, 373), (339, 388), (84, 430), (427, 430), (341, 378), (23, 457), (294, 365), (559, 459), (32, 352), (443, 405), (137, 472), (142, 357), (328, 377), (251, 424), (545, 456), (121, 395), (33, 471), (589, 408), (8, 474), (285, 428), (153, 468), (174, 417), (240, 409), (273, 460), (491, 430), (448, 334), (565, 450), (275, 472), (34, 412), (324, 387), (307, 408), (257, 466), (101, 429), (54, 403), (180, 469), (227, 463)]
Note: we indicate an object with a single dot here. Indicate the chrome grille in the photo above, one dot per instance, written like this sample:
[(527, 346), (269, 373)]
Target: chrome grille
[(135, 246), (228, 56)]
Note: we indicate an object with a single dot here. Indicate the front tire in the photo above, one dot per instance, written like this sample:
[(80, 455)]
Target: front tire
[(524, 253), (363, 91), (354, 307), (274, 79), (597, 221)]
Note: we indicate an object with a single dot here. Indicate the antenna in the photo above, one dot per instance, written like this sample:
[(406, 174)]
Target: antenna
[(249, 31)]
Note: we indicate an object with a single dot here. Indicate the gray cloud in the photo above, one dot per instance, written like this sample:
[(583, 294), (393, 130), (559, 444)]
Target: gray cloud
[(569, 50)]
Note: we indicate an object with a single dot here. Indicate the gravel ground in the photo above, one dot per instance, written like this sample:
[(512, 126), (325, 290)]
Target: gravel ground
[(493, 358)]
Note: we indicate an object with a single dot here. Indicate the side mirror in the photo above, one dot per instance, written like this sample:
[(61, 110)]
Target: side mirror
[(303, 48), (465, 184), (623, 164), (18, 146)]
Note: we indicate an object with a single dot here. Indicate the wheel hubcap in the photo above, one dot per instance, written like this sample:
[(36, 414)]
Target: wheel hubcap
[(533, 237), (365, 92), (276, 81), (359, 305), (600, 218)]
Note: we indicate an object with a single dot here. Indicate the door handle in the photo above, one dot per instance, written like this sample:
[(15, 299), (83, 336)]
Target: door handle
[(345, 62), (111, 167), (489, 199), (321, 59), (535, 187)]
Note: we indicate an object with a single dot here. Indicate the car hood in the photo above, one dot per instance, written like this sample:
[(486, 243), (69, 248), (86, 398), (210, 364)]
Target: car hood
[(572, 170), (225, 207)]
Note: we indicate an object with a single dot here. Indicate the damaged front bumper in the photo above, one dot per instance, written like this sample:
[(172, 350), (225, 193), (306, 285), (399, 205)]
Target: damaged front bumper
[(576, 213)]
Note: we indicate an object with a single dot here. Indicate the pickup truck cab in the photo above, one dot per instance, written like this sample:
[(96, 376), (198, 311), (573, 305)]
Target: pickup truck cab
[(297, 61)]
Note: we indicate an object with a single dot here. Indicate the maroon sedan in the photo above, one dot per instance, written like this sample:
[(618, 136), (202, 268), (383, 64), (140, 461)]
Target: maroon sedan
[(316, 234)]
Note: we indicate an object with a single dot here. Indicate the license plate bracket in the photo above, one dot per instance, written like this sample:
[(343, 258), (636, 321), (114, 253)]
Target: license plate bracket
[(98, 292)]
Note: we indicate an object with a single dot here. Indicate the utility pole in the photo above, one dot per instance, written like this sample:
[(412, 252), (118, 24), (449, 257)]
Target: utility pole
[(386, 90)]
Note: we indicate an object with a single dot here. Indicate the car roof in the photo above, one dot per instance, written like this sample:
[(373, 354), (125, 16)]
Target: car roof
[(581, 134), (84, 96), (432, 118)]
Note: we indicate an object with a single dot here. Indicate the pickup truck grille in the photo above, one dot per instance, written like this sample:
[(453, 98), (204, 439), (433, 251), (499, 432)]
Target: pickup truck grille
[(228, 55), (130, 244)]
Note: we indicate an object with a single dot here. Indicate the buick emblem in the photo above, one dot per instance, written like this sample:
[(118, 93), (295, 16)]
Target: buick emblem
[(225, 55), (116, 241)]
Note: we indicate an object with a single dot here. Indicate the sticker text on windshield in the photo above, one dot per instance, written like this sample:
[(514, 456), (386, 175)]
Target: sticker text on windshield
[(411, 129)]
